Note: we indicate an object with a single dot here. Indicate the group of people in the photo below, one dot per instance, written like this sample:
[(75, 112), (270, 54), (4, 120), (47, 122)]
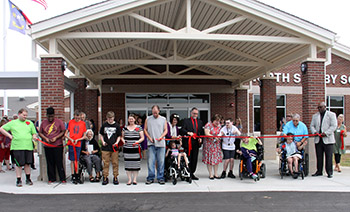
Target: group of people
[(329, 134), (217, 138)]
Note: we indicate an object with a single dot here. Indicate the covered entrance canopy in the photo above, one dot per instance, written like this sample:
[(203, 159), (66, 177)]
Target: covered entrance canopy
[(231, 40), (161, 46)]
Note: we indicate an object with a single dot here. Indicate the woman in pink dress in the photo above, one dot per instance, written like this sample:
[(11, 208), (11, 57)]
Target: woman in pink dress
[(212, 154)]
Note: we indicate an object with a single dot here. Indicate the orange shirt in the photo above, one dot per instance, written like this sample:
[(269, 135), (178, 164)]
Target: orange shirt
[(76, 130)]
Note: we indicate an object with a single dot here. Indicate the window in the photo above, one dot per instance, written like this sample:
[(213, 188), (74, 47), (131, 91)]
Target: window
[(335, 104), (256, 112), (280, 110), (136, 98)]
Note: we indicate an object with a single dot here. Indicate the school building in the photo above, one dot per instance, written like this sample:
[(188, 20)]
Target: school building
[(128, 55)]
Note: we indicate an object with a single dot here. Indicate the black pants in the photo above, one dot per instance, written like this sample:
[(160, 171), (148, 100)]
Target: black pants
[(337, 158), (54, 159), (193, 157), (327, 150)]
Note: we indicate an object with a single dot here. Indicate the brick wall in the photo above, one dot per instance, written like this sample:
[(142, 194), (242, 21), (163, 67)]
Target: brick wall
[(52, 86), (347, 111), (113, 102), (313, 90), (294, 104), (221, 104), (268, 106), (241, 107)]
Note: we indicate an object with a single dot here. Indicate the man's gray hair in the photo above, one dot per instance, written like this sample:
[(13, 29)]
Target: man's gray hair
[(296, 116)]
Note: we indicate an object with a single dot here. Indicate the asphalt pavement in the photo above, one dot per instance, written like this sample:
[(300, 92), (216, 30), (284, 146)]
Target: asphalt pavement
[(175, 202)]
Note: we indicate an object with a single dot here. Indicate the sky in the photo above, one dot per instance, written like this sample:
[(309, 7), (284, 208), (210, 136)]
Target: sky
[(332, 15)]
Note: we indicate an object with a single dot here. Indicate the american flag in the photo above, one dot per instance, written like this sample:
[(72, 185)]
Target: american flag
[(42, 2)]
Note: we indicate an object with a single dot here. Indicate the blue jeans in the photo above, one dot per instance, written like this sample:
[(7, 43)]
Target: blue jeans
[(155, 154)]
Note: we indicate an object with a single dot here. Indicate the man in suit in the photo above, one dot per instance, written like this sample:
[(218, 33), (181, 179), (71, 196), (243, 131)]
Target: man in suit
[(192, 126), (324, 122)]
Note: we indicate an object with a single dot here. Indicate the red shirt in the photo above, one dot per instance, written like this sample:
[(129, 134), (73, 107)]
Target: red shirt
[(76, 130)]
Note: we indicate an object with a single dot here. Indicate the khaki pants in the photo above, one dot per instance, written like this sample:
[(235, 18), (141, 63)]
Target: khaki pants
[(106, 158)]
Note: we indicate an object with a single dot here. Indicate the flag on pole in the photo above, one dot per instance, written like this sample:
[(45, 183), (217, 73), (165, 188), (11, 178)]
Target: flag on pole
[(17, 20), (42, 2)]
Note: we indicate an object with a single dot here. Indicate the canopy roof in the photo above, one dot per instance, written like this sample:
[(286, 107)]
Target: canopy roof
[(234, 40)]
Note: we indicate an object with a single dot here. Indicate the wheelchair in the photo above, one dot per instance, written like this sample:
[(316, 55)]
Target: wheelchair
[(172, 172), (82, 169), (259, 168), (303, 164)]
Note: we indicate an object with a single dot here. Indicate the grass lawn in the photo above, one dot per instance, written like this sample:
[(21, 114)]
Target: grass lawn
[(345, 160)]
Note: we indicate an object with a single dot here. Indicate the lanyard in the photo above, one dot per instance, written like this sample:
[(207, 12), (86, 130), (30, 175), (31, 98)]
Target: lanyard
[(196, 125)]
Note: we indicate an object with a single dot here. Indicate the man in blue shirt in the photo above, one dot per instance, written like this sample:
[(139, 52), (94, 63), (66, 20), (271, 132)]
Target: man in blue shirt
[(296, 127)]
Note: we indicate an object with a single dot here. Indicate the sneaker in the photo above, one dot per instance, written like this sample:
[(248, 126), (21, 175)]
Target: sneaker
[(29, 182), (105, 181), (252, 158), (254, 176), (63, 182), (161, 182), (223, 175), (19, 183), (231, 175), (295, 175), (115, 181), (50, 182), (149, 182)]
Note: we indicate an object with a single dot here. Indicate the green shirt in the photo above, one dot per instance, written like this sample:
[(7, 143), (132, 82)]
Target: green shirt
[(22, 132), (251, 144)]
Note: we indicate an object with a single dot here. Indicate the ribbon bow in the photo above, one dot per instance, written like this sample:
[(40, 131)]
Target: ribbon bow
[(194, 136), (342, 138)]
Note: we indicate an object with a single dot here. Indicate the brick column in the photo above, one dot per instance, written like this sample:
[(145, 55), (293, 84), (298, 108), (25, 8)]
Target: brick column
[(52, 86), (241, 99), (268, 106), (86, 100), (313, 82), (52, 95), (268, 115)]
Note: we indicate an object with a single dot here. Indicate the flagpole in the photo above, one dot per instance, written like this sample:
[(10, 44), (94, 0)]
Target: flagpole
[(4, 53)]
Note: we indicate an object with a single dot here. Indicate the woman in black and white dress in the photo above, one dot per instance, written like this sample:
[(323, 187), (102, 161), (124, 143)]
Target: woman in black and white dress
[(132, 136)]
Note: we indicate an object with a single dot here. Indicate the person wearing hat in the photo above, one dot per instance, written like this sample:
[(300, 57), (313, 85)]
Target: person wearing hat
[(51, 132)]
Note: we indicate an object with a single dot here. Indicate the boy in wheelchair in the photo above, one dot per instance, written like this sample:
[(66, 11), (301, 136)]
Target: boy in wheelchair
[(249, 153), (291, 151)]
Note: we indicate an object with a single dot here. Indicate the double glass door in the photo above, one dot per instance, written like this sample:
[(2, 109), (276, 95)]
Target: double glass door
[(183, 113)]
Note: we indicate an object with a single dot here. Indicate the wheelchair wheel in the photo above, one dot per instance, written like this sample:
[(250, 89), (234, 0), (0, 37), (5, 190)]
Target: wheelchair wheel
[(82, 178), (306, 165), (281, 172), (263, 170), (174, 181)]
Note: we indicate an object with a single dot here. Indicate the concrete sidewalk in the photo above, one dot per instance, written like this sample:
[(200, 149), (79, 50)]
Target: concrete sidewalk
[(339, 183)]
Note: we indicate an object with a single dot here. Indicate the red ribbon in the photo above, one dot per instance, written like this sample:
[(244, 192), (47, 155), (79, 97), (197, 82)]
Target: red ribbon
[(113, 146), (136, 144), (342, 138), (194, 136), (234, 136), (69, 143)]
